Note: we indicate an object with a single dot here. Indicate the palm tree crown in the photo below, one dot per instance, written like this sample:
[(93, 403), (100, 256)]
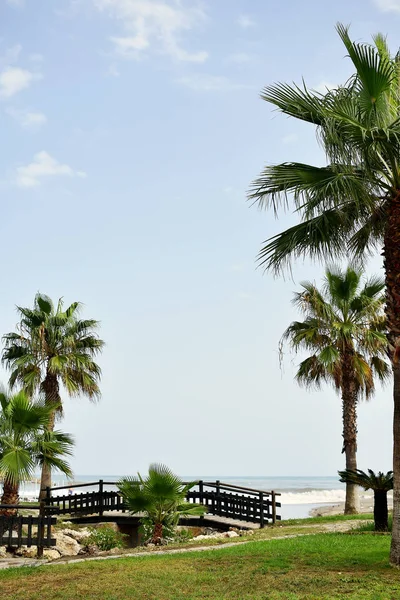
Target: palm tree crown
[(161, 496), (26, 443), (380, 483), (342, 206), (343, 318), (53, 345)]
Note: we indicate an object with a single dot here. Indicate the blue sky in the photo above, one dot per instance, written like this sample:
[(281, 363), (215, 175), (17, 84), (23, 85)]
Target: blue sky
[(131, 131)]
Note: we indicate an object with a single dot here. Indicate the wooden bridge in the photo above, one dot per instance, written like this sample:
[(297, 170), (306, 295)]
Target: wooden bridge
[(232, 502)]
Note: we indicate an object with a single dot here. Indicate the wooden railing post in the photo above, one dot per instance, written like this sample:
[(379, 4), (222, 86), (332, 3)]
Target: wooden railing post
[(273, 507), (201, 497), (218, 496), (46, 502), (261, 497), (201, 491), (101, 487)]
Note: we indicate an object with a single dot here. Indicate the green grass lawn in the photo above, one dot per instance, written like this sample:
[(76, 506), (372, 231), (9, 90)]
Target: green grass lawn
[(321, 566)]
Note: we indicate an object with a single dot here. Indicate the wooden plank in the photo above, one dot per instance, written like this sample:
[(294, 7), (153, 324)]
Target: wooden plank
[(273, 508), (30, 519)]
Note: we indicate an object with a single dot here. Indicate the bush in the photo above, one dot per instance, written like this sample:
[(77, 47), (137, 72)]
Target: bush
[(106, 538)]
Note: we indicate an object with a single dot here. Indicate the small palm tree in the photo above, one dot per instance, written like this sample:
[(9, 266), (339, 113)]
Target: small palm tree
[(344, 329), (161, 496), (381, 484), (52, 346), (26, 443)]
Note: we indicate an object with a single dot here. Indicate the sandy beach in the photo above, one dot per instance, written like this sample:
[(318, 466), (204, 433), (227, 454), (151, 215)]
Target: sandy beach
[(366, 505)]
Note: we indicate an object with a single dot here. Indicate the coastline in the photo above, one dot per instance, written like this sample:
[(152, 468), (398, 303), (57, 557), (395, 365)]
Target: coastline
[(366, 506)]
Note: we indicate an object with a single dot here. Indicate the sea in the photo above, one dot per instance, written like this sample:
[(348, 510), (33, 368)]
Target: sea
[(299, 494)]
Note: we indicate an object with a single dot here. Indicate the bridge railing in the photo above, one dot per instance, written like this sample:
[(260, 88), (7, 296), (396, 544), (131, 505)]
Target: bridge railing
[(236, 502), (221, 499), (26, 530)]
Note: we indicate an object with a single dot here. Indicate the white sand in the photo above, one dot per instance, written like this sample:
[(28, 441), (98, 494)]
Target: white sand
[(366, 506)]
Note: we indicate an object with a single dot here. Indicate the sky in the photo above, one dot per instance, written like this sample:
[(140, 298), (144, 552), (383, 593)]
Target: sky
[(131, 131)]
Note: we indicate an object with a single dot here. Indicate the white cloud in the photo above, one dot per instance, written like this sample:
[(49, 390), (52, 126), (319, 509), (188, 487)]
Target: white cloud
[(14, 80), (203, 82), (245, 21), (43, 165), (153, 25), (388, 5), (290, 138), (27, 119)]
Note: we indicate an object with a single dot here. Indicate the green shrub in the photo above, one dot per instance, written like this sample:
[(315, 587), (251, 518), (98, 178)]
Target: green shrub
[(106, 538)]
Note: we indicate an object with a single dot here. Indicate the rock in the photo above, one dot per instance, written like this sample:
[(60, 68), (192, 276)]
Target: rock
[(209, 531), (66, 545), (51, 553), (232, 534), (91, 549), (3, 552), (212, 536), (115, 551), (30, 552), (76, 534), (250, 532)]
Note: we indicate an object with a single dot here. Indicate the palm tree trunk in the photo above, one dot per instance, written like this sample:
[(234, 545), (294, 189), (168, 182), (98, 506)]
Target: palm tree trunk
[(349, 407), (391, 253), (380, 510), (157, 533), (51, 390), (10, 496)]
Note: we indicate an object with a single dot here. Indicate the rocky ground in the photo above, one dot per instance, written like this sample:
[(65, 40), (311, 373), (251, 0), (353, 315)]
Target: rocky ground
[(73, 544)]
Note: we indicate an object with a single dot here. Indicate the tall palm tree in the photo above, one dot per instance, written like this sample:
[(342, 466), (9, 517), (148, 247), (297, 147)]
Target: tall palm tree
[(344, 330), (351, 205), (381, 484), (26, 443), (161, 496), (52, 346)]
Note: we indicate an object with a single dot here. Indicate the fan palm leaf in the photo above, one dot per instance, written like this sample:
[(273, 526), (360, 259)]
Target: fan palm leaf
[(381, 483), (161, 496), (26, 443)]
